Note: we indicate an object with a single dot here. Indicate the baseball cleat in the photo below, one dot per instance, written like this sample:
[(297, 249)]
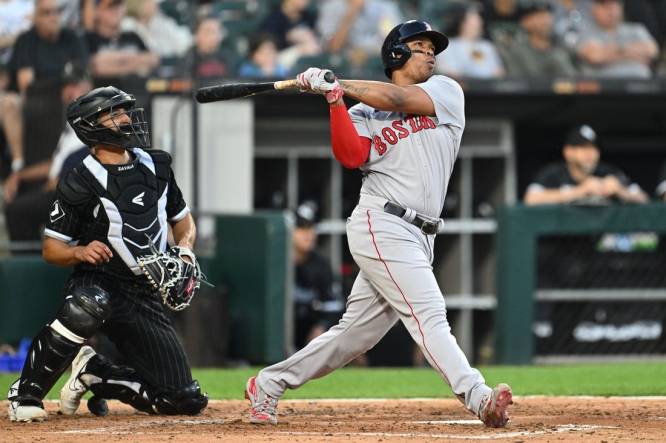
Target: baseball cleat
[(263, 407), (494, 413), (25, 413), (25, 409), (72, 392)]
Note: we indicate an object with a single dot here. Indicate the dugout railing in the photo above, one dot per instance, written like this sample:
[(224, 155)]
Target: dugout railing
[(630, 322)]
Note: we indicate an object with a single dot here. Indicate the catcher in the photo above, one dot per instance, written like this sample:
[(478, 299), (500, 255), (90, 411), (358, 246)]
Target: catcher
[(110, 221)]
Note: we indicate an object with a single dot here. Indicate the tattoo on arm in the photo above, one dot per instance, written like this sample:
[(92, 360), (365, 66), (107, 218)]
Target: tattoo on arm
[(358, 92)]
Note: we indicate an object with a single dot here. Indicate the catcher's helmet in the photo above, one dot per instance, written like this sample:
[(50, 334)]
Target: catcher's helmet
[(83, 115), (395, 52)]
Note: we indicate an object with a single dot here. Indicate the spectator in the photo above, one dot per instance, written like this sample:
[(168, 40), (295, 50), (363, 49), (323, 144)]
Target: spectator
[(356, 27), (161, 34), (532, 51), (609, 47), (651, 13), (292, 26), (581, 178), (569, 19), (501, 17), (36, 184), (16, 18), (317, 300), (263, 59), (207, 58), (468, 54), (40, 55), (117, 54)]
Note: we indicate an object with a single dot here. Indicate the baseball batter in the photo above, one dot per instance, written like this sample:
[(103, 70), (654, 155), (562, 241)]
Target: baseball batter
[(405, 136)]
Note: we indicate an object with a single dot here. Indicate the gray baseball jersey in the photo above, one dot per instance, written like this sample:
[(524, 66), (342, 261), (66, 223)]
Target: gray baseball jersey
[(410, 164), (412, 157)]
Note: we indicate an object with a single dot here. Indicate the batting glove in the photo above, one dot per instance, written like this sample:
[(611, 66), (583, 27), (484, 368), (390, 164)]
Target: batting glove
[(313, 80), (335, 94)]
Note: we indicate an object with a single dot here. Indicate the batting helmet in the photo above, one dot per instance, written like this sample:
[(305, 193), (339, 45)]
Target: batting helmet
[(83, 115), (395, 52)]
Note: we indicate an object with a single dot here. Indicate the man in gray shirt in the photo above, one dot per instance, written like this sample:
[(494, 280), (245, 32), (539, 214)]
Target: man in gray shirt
[(609, 47), (532, 52)]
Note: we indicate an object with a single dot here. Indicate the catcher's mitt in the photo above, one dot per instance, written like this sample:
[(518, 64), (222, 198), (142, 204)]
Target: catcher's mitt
[(174, 278)]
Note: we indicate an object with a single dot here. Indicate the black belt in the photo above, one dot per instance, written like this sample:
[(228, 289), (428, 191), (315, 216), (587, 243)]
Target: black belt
[(428, 227)]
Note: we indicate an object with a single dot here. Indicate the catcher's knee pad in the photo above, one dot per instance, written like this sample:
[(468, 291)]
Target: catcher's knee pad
[(185, 401), (82, 314)]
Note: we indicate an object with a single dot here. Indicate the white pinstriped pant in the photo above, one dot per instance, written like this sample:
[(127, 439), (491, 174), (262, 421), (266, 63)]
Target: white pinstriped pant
[(396, 282)]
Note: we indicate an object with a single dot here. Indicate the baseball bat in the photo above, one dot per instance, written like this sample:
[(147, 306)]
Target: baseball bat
[(231, 91)]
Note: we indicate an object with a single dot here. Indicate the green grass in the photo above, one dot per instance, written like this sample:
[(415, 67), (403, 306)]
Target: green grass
[(598, 379)]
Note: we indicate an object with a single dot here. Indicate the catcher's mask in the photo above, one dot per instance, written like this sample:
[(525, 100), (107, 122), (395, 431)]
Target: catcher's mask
[(84, 117)]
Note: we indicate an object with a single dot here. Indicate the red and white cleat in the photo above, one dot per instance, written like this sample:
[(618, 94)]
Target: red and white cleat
[(494, 413), (263, 407)]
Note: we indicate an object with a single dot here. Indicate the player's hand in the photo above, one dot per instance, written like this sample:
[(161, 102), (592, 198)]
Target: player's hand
[(313, 80), (94, 253)]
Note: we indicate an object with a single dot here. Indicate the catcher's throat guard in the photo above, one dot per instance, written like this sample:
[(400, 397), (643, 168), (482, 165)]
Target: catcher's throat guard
[(174, 278)]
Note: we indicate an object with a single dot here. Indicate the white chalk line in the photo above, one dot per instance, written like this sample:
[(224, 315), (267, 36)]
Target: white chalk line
[(495, 436), (132, 429)]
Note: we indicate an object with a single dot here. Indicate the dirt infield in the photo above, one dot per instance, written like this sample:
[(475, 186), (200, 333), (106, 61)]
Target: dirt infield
[(534, 419)]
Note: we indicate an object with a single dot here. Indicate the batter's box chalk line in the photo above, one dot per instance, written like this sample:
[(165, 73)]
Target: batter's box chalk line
[(131, 429), (495, 436)]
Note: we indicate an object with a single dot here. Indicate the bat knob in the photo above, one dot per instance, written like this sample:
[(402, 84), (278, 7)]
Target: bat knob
[(329, 77)]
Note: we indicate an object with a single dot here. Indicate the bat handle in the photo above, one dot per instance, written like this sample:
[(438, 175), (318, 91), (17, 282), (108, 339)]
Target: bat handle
[(286, 84), (293, 84)]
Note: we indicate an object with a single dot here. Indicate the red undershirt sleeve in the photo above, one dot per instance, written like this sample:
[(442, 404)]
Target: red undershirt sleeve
[(349, 148)]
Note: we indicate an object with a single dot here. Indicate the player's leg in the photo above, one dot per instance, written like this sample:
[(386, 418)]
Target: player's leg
[(366, 320), (52, 350), (401, 270), (157, 377)]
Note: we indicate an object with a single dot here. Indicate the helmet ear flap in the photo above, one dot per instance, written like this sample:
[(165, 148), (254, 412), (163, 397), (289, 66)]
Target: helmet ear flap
[(397, 57)]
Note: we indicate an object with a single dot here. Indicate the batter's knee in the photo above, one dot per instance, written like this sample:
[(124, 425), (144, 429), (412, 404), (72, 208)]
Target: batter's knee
[(185, 401), (83, 313)]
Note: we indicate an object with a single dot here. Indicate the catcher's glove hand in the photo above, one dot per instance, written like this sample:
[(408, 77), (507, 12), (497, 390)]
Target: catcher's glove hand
[(176, 279)]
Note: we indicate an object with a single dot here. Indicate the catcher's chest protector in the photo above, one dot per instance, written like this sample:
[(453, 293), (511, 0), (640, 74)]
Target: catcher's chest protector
[(132, 207)]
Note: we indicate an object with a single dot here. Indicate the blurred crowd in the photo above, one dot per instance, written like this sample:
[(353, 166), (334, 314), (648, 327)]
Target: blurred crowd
[(53, 50)]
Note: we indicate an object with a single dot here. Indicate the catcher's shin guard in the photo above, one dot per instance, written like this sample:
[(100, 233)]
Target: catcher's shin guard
[(49, 355), (108, 381), (54, 347)]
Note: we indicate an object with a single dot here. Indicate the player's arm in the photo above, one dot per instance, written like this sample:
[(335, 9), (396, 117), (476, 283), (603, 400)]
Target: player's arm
[(389, 97), (350, 149), (382, 96), (61, 253), (25, 77), (185, 232), (552, 196)]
